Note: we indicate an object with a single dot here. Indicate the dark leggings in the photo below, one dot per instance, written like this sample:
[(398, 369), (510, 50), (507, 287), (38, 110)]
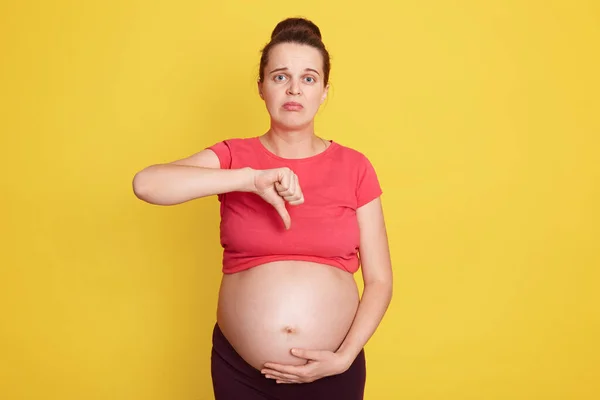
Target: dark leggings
[(235, 379)]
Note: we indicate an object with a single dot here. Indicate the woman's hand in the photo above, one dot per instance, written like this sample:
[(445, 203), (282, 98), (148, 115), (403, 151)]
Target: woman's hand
[(278, 186), (321, 363)]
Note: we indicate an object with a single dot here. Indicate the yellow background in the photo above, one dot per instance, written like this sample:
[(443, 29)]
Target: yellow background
[(482, 119)]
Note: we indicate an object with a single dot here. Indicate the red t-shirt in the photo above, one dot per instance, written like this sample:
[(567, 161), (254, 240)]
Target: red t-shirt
[(324, 228)]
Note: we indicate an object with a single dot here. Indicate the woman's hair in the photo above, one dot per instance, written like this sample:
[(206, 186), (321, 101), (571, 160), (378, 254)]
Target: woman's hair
[(300, 31)]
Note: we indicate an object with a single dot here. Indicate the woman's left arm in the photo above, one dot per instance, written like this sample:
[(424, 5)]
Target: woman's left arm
[(377, 276), (377, 294)]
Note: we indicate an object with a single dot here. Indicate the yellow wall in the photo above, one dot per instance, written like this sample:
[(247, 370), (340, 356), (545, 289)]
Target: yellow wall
[(482, 119)]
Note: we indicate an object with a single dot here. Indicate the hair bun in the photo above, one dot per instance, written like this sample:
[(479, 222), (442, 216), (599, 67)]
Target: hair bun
[(297, 24)]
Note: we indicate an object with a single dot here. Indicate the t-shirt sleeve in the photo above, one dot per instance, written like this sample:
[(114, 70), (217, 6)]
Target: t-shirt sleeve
[(368, 187), (223, 152)]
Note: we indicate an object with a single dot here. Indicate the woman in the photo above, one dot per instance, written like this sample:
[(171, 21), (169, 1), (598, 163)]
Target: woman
[(295, 211)]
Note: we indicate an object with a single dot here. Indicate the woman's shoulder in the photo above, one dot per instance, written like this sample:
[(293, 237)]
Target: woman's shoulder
[(237, 141), (349, 153), (232, 148), (233, 144)]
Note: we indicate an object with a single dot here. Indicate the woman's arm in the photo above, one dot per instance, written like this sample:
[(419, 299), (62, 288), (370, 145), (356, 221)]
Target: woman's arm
[(377, 277), (196, 176)]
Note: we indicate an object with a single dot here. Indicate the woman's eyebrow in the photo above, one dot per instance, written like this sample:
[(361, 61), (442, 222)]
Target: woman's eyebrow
[(286, 69)]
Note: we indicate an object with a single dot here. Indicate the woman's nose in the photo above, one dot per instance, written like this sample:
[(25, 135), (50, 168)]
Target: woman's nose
[(293, 89)]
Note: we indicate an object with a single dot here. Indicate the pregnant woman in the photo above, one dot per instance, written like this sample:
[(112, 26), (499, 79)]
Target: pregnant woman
[(299, 216)]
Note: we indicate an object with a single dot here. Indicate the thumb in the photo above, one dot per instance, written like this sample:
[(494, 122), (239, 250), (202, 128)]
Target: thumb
[(283, 213), (307, 354)]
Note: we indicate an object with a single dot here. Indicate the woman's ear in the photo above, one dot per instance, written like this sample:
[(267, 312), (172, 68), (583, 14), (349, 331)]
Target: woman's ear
[(259, 85), (325, 93)]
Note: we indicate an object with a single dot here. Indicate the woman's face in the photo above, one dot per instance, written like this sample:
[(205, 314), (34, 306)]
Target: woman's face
[(293, 86)]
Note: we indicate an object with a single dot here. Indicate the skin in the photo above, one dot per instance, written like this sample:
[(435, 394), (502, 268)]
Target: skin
[(294, 73)]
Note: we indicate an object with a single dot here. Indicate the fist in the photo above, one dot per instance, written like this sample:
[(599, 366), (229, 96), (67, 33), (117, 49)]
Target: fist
[(277, 187)]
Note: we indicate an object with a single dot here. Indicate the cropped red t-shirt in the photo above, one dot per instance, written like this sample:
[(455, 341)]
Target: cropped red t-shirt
[(324, 229)]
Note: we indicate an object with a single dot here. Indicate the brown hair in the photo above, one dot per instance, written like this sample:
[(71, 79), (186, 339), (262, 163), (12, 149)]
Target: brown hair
[(296, 30)]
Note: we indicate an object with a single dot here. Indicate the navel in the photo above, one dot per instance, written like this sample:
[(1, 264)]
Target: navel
[(289, 329)]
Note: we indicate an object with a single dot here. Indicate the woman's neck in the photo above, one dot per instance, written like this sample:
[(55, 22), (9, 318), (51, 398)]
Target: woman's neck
[(293, 143)]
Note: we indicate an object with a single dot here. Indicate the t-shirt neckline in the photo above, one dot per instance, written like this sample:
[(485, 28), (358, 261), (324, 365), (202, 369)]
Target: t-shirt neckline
[(268, 152)]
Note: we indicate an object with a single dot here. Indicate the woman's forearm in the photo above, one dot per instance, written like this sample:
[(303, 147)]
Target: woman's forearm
[(169, 184), (373, 305)]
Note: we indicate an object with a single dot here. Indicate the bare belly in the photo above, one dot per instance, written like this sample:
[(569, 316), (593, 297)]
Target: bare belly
[(267, 310)]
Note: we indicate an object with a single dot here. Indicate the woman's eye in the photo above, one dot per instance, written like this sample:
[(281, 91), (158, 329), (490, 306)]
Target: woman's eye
[(279, 77), (310, 79)]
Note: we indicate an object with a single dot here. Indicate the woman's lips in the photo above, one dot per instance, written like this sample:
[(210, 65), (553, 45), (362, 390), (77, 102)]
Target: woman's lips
[(292, 106)]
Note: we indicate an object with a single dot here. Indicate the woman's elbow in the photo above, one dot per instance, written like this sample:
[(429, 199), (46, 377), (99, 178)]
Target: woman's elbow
[(141, 185), (381, 285)]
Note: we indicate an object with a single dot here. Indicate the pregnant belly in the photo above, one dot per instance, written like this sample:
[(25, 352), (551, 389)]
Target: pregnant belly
[(267, 310)]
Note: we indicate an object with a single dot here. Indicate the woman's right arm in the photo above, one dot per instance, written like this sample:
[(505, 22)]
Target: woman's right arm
[(190, 178)]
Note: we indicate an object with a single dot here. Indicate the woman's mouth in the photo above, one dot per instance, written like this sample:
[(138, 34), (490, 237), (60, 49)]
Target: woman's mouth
[(292, 106)]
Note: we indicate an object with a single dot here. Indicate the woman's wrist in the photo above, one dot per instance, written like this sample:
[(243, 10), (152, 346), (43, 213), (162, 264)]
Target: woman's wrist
[(247, 175), (348, 355)]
